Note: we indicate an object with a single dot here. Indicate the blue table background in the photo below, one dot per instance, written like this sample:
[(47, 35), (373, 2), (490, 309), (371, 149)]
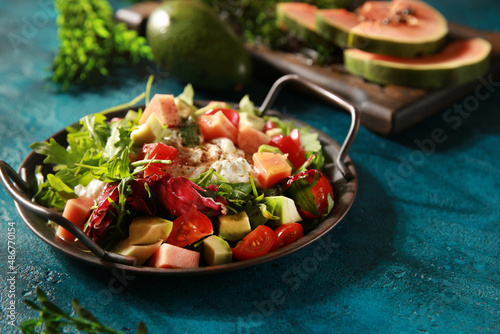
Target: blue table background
[(417, 253)]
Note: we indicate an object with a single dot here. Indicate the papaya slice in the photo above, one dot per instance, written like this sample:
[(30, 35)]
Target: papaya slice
[(460, 61)]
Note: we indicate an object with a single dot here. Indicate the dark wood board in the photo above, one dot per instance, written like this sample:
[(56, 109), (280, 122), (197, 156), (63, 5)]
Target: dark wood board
[(385, 109)]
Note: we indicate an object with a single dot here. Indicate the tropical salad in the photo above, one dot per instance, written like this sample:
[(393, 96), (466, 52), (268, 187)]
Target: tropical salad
[(181, 186)]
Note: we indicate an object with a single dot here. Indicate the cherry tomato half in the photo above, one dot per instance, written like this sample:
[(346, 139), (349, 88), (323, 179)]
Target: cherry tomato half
[(269, 126), (232, 115), (287, 145), (320, 191), (256, 243), (286, 234), (295, 136), (159, 151), (189, 228)]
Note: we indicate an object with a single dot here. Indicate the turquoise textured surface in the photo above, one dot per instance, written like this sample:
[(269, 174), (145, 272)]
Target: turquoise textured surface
[(417, 253)]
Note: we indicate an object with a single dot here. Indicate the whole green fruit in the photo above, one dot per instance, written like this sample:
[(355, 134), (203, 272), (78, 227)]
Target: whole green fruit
[(190, 41)]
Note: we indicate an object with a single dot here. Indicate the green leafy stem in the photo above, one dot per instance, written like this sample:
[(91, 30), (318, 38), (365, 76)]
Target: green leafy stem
[(53, 320)]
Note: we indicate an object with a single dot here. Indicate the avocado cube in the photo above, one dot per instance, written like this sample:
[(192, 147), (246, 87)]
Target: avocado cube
[(274, 132), (217, 251), (148, 132), (148, 230), (234, 227), (285, 209), (253, 121), (141, 252)]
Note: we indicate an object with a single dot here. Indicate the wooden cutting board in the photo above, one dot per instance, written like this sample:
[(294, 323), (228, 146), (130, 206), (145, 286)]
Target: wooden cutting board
[(385, 109)]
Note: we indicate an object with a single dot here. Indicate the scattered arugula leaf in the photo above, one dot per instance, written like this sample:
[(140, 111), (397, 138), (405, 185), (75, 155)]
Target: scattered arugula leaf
[(53, 319)]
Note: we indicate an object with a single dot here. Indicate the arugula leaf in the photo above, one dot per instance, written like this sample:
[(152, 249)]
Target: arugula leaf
[(189, 132), (55, 153), (312, 146), (300, 192)]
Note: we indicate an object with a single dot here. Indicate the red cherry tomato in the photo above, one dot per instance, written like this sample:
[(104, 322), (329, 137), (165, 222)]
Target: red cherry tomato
[(296, 154), (295, 136), (256, 243), (268, 126), (320, 191), (159, 151), (286, 234), (232, 115), (189, 228)]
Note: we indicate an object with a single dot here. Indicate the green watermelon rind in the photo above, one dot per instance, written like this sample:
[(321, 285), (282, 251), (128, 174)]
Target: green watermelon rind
[(331, 32), (349, 37), (395, 48), (295, 28), (418, 76)]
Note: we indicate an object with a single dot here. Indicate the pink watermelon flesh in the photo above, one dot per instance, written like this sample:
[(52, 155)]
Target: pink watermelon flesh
[(457, 53), (388, 20), (459, 62), (339, 17), (300, 12)]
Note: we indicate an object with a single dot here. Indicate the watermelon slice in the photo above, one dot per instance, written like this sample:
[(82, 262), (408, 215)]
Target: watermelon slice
[(298, 18), (459, 62), (334, 25), (402, 28)]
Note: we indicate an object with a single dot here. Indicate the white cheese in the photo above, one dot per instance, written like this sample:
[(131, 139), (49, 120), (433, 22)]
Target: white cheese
[(93, 190), (234, 170)]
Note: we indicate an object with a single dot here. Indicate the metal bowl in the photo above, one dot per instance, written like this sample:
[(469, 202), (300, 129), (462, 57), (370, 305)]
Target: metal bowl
[(338, 168)]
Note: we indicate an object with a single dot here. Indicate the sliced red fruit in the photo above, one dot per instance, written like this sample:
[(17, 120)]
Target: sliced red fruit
[(270, 168), (287, 234), (77, 211), (257, 243), (189, 228), (163, 105), (158, 151), (232, 115), (217, 126), (459, 62), (290, 146), (250, 139)]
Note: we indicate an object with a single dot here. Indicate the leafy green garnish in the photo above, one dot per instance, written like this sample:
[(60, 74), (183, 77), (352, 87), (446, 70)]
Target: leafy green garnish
[(255, 21), (53, 319), (312, 146), (189, 132), (92, 41), (96, 149)]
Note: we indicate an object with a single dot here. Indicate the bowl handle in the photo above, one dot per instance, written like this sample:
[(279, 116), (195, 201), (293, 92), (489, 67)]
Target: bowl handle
[(351, 135), (8, 174)]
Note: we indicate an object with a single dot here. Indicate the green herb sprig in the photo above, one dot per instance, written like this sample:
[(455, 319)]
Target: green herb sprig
[(256, 20), (54, 320), (91, 42)]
